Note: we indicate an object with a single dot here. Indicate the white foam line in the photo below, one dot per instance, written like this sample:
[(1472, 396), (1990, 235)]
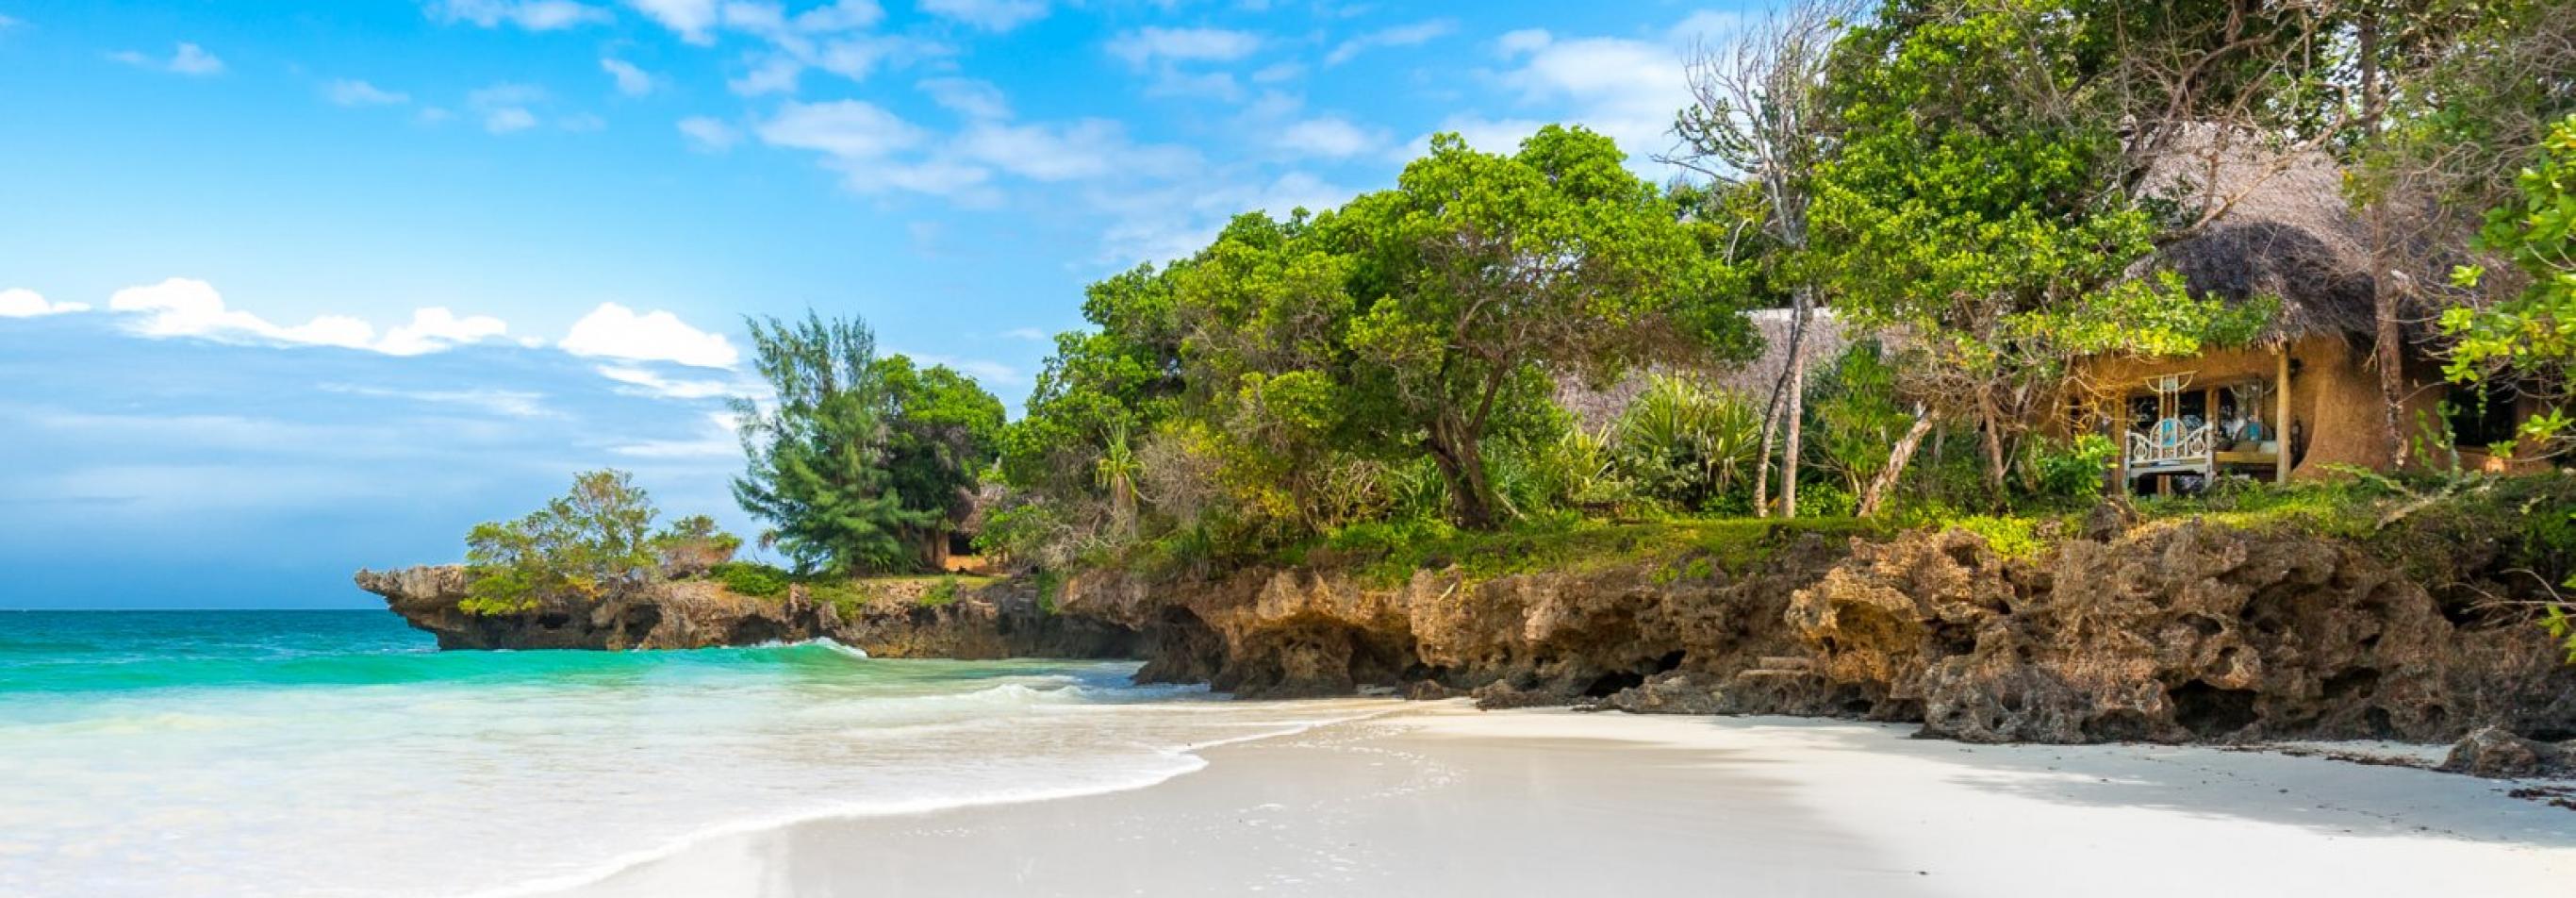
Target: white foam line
[(631, 860)]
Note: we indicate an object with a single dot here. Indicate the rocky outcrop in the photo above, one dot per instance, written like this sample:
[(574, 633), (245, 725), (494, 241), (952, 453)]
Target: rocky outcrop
[(2494, 753), (2117, 630), (996, 621), (2163, 631), (2166, 632)]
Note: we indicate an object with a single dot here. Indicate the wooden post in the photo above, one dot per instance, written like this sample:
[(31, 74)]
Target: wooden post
[(2281, 418)]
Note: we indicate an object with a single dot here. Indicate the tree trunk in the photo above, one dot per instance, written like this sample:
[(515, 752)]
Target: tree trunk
[(1462, 466), (1762, 465), (2387, 351), (1796, 414), (1897, 459), (1784, 400), (1997, 466)]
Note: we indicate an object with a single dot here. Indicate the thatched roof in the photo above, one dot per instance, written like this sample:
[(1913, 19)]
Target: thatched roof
[(2288, 233), (1824, 342)]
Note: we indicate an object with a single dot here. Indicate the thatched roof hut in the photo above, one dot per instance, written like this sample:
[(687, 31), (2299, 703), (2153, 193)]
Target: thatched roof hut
[(2286, 231)]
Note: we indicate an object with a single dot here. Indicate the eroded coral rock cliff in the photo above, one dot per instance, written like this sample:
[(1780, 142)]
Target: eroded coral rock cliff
[(2165, 631), (999, 621), (2172, 631)]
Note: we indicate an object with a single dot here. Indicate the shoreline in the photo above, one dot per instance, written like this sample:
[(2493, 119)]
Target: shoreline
[(1440, 800)]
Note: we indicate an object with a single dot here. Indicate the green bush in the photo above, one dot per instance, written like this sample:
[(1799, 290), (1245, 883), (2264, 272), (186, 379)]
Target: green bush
[(2072, 472), (750, 578), (2010, 537), (579, 546), (941, 593)]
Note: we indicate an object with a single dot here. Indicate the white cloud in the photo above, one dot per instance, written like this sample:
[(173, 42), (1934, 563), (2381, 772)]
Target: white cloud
[(1708, 26), (1151, 44), (346, 92), (509, 120), (1626, 89), (17, 302), (990, 15), (7, 23), (845, 129), (709, 135), (1181, 218), (985, 371), (653, 384), (775, 75), (615, 331), (968, 97), (185, 307), (1090, 148), (1330, 138), (435, 328), (693, 20), (504, 107), (722, 440), (510, 403), (1030, 334), (532, 15), (1400, 36), (1278, 72), (846, 15), (631, 81), (189, 59)]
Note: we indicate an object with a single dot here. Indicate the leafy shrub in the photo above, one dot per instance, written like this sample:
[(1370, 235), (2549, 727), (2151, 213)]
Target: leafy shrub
[(2073, 472), (941, 593), (693, 545), (1689, 446), (2010, 537), (580, 545), (1826, 500), (750, 578)]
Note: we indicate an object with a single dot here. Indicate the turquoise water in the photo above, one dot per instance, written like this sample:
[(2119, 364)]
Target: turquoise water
[(293, 753)]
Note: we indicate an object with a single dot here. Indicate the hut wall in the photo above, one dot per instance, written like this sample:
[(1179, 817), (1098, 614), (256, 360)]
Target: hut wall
[(2333, 393)]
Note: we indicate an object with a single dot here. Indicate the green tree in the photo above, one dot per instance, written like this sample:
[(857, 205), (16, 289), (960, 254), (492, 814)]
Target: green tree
[(1481, 274), (581, 545), (1974, 204), (2529, 340), (818, 449), (942, 431), (692, 545)]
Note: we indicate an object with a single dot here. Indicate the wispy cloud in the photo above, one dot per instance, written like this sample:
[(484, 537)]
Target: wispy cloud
[(1401, 36), (990, 15), (631, 81), (651, 383), (189, 59), (348, 92), (721, 440), (508, 403), (1152, 44), (531, 15), (709, 135)]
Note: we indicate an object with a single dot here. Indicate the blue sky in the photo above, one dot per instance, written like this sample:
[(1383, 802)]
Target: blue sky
[(291, 288)]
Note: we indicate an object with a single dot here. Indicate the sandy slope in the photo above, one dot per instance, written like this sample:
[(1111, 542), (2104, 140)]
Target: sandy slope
[(1445, 801)]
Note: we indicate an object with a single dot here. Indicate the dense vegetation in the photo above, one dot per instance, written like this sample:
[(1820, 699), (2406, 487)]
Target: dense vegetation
[(1979, 193)]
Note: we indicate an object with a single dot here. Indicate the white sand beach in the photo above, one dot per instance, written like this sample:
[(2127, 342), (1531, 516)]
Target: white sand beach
[(1441, 800)]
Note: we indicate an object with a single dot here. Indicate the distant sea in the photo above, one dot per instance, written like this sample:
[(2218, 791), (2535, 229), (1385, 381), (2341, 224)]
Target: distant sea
[(308, 753)]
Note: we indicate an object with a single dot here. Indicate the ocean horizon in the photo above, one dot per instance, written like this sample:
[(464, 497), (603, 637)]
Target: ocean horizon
[(322, 752)]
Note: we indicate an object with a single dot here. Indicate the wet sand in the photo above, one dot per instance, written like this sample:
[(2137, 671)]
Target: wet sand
[(1447, 801)]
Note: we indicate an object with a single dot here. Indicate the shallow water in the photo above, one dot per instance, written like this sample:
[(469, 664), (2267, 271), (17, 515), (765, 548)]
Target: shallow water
[(297, 753)]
